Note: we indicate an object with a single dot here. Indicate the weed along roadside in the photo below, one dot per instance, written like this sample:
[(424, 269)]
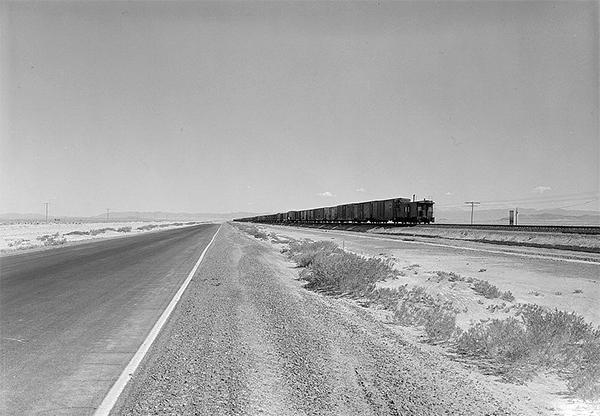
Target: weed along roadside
[(519, 343)]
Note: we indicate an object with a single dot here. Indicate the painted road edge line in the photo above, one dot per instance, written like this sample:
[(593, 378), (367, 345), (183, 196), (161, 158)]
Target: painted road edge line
[(113, 394)]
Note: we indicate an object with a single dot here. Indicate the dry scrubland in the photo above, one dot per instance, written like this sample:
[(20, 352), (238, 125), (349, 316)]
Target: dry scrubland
[(521, 343), (18, 236)]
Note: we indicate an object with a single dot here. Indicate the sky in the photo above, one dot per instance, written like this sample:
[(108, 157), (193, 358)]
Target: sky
[(273, 106)]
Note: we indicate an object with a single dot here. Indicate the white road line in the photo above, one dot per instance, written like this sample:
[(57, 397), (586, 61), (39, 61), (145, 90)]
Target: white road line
[(116, 390), (399, 238)]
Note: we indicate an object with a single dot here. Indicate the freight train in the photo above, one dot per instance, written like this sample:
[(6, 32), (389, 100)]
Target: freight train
[(396, 210)]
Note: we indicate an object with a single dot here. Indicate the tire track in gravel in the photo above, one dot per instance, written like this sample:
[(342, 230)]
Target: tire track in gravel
[(248, 339)]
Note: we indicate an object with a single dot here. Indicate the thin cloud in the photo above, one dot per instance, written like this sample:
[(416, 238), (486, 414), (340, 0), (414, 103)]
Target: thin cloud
[(361, 190), (326, 194), (540, 189), (448, 193)]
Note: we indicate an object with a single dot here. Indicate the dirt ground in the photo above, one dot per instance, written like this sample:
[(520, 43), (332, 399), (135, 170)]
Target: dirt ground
[(249, 339), (550, 278)]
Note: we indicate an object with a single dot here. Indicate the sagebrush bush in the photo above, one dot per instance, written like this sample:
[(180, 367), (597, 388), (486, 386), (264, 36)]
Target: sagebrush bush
[(77, 232), (418, 308), (541, 340), (346, 273), (101, 230), (485, 289), (329, 268), (584, 379), (304, 252), (450, 276), (388, 298)]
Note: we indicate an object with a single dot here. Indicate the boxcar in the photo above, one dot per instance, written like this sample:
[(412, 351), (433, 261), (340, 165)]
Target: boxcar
[(355, 212), (343, 213), (319, 214), (365, 211), (330, 214), (378, 211)]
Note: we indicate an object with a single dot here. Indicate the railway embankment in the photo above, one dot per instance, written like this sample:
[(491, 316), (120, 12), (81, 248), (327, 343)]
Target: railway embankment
[(518, 237)]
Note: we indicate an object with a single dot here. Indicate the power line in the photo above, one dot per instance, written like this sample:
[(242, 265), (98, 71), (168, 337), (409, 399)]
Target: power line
[(473, 203), (548, 199), (577, 205)]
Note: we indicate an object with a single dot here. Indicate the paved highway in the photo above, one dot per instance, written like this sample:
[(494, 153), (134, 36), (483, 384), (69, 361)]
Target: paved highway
[(72, 318)]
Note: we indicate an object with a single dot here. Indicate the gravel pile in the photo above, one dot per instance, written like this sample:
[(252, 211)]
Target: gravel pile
[(247, 339)]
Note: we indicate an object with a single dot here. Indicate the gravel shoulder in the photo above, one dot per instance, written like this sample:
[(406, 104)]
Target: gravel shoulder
[(247, 338)]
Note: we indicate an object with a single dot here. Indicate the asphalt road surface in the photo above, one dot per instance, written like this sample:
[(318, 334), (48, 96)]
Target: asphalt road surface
[(72, 318)]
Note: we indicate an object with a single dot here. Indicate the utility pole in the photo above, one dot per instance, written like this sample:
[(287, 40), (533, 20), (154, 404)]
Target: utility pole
[(107, 211), (46, 203), (472, 203)]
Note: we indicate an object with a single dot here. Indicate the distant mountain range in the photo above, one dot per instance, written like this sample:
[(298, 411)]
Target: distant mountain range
[(525, 216), (132, 216), (442, 216)]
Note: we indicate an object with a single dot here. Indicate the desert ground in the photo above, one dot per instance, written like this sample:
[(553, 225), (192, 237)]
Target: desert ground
[(553, 279), (250, 338), (20, 236)]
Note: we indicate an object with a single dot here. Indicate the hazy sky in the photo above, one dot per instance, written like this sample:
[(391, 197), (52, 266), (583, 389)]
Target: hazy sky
[(273, 106)]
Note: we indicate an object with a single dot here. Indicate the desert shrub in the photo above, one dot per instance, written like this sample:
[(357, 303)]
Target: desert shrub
[(500, 340), (507, 296), (450, 276), (77, 232), (261, 235), (124, 230), (304, 252), (253, 230), (485, 289), (52, 239), (147, 227), (541, 340), (101, 230), (584, 380), (554, 337), (275, 239), (16, 242), (346, 273), (441, 323), (387, 298), (418, 308)]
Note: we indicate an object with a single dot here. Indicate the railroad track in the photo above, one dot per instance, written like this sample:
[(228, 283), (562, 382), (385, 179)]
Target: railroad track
[(568, 229), (565, 229)]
